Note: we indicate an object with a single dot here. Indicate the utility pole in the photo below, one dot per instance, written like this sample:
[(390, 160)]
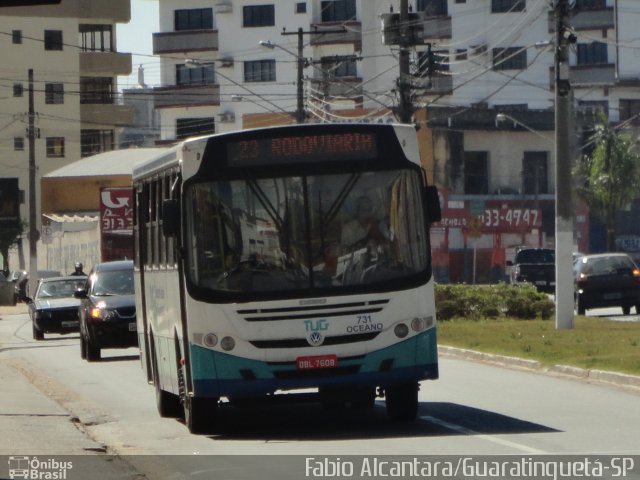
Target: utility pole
[(405, 107), (33, 232), (564, 207), (302, 63)]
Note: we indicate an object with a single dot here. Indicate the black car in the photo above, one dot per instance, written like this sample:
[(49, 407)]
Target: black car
[(606, 280), (54, 309), (107, 309), (536, 266)]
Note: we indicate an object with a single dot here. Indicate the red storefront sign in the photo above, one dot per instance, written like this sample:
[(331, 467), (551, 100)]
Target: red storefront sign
[(116, 209)]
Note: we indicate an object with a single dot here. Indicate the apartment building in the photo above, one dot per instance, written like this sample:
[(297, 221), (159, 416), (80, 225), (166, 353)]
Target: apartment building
[(482, 87), (71, 50)]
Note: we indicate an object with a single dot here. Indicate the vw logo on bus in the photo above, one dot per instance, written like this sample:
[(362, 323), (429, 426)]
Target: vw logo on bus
[(315, 339)]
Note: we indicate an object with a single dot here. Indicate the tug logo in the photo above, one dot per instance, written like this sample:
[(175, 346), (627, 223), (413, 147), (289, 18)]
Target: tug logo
[(313, 329)]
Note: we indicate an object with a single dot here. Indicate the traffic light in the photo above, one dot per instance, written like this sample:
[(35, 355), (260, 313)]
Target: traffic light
[(27, 3)]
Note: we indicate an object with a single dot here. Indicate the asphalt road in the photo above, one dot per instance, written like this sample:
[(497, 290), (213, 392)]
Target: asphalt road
[(472, 409)]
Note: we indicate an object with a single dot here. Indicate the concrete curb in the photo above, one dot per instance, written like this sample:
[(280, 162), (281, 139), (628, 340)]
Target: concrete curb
[(597, 376)]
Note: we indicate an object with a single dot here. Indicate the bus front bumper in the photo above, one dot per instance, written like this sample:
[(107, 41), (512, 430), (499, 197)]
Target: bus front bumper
[(412, 360)]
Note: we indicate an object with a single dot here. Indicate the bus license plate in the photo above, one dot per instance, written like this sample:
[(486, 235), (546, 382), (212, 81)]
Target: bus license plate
[(320, 361)]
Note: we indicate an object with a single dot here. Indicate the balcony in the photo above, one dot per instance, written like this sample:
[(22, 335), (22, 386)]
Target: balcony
[(345, 87), (437, 27), (352, 34), (187, 41), (186, 95), (104, 64), (436, 85), (108, 114), (582, 76), (587, 19)]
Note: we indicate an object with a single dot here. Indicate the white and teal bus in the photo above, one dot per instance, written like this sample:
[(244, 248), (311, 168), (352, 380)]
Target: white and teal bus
[(286, 259)]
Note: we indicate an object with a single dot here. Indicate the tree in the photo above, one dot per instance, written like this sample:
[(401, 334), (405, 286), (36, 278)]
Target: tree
[(609, 177)]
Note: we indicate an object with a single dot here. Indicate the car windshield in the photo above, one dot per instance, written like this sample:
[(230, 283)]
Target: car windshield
[(608, 265), (320, 231), (113, 282), (535, 256), (58, 288)]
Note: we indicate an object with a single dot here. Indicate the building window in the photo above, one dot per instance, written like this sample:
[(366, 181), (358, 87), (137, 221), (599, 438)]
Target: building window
[(18, 144), (501, 6), (301, 7), (18, 90), (53, 39), (476, 173), (511, 58), (193, 19), (594, 53), (55, 147), (96, 38), (338, 10), (202, 74), (258, 16), (460, 1), (190, 127), (260, 71), (54, 93), (630, 110), (93, 141), (534, 173), (592, 108), (432, 8), (339, 67), (590, 4), (16, 36), (96, 90)]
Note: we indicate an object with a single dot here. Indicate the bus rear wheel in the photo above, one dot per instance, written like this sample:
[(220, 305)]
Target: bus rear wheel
[(168, 404), (200, 414), (402, 402)]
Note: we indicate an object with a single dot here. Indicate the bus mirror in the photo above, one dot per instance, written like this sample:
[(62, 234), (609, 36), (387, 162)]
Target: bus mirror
[(170, 217), (433, 204)]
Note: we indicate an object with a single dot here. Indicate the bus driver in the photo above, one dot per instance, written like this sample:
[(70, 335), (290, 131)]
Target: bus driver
[(364, 228)]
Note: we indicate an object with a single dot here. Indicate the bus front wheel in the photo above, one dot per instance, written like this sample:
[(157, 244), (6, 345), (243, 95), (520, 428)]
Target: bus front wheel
[(402, 402), (200, 414)]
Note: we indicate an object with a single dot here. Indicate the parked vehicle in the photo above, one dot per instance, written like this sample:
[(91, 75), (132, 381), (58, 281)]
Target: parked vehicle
[(54, 308), (536, 266), (607, 280), (107, 309), (21, 288)]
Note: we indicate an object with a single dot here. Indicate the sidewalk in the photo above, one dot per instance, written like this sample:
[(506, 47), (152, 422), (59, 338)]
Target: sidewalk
[(13, 309)]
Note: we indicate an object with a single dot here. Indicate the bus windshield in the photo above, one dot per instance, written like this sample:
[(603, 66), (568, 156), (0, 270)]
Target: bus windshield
[(305, 232)]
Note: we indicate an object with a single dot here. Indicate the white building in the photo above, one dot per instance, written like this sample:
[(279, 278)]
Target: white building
[(491, 57), (71, 50)]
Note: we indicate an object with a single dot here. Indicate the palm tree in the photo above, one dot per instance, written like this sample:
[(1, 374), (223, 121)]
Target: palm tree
[(609, 177)]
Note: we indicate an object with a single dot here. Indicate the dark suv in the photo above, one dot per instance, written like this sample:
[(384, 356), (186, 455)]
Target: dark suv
[(536, 266), (107, 309)]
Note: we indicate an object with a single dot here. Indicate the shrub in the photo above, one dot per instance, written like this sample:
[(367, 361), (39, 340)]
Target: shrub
[(491, 301)]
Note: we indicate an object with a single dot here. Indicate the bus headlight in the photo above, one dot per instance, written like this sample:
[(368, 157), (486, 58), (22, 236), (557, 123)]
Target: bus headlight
[(227, 344), (210, 340), (401, 330), (422, 323)]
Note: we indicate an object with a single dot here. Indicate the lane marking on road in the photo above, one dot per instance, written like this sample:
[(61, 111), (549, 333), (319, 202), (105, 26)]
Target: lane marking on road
[(490, 438)]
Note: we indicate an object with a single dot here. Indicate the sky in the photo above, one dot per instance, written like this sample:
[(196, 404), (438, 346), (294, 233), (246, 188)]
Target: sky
[(135, 37)]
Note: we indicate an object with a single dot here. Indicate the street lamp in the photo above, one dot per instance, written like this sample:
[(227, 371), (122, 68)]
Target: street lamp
[(300, 113)]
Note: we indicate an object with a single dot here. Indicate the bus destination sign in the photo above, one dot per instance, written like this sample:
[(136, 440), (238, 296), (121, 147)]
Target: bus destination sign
[(301, 148)]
